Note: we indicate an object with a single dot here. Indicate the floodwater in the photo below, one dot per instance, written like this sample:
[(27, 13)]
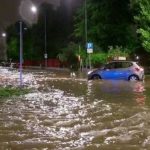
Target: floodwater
[(64, 113)]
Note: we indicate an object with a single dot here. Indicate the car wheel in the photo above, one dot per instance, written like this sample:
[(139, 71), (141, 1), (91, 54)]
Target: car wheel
[(133, 78), (96, 77)]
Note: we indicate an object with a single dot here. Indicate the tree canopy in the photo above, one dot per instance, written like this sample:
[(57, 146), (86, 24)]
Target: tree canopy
[(109, 22), (142, 19)]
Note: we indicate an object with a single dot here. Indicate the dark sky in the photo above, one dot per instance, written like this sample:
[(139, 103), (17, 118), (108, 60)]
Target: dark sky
[(9, 10)]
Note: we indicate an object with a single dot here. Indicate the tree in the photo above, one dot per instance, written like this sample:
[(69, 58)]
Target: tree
[(142, 18), (70, 55), (110, 23), (12, 43)]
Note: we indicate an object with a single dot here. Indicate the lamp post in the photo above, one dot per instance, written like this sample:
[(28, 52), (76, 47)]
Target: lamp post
[(4, 55), (21, 24), (3, 35), (34, 10), (86, 35), (45, 47)]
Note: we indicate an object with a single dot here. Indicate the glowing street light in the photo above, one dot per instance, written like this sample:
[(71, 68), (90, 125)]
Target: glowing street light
[(3, 34), (33, 9)]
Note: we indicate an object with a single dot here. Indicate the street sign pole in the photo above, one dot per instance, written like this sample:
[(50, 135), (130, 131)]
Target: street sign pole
[(89, 51), (90, 67)]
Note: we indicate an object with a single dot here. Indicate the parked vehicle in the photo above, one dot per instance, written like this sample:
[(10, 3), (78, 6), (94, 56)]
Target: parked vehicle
[(118, 70)]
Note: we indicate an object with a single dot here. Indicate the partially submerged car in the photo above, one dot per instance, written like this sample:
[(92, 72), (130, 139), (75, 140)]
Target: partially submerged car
[(118, 70)]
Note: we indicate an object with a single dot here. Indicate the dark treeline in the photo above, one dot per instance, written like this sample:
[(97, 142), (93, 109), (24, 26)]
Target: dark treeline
[(110, 23)]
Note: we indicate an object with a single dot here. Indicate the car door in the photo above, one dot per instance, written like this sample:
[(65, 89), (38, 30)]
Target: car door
[(109, 71), (122, 70), (119, 71), (126, 70)]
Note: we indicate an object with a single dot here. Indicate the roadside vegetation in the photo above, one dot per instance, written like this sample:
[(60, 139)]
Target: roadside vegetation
[(9, 92)]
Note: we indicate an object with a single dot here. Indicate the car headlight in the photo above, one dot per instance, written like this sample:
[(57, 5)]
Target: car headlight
[(89, 72)]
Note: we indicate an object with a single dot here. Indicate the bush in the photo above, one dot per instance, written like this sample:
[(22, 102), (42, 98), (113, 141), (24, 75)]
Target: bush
[(117, 52), (98, 59)]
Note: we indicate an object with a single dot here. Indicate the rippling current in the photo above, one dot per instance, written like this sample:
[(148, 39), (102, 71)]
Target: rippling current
[(66, 113)]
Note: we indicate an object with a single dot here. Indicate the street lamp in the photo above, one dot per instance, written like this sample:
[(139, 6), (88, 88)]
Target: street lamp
[(3, 34), (86, 38), (21, 27), (34, 10)]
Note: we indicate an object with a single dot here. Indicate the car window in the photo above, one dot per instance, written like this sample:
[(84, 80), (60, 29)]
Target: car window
[(110, 66), (126, 64), (118, 65)]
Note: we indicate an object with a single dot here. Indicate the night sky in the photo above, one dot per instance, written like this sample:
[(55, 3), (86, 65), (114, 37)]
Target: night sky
[(9, 10), (14, 10)]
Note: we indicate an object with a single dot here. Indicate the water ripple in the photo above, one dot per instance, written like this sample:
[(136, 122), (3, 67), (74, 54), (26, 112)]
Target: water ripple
[(74, 114)]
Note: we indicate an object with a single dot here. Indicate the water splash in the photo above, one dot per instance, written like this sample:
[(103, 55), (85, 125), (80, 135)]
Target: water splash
[(11, 78)]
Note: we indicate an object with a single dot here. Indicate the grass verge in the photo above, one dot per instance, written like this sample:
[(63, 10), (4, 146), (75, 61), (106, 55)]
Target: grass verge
[(9, 92)]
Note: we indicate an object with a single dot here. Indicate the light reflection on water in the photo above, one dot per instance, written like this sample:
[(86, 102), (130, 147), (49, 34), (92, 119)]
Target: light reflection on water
[(76, 114)]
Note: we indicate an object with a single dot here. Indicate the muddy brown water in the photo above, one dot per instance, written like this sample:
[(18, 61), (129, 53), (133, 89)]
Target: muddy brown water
[(66, 113)]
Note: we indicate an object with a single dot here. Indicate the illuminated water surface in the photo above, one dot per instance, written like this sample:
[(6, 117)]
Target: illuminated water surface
[(64, 113)]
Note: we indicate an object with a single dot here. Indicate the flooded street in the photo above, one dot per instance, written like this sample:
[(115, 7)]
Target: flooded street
[(64, 113)]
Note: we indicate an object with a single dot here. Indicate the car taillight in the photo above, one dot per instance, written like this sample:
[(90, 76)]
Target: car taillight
[(137, 69)]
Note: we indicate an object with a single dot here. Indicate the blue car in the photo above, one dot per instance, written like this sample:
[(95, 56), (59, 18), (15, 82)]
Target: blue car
[(118, 70)]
